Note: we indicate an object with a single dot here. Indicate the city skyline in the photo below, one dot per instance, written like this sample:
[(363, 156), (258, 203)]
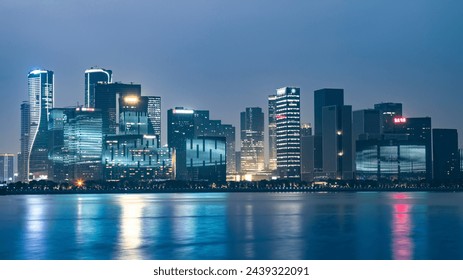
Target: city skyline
[(378, 53)]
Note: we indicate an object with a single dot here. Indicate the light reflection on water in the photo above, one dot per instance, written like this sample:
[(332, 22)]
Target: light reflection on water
[(233, 226)]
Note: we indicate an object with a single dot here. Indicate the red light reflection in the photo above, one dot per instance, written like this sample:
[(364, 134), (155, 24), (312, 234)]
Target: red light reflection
[(402, 244)]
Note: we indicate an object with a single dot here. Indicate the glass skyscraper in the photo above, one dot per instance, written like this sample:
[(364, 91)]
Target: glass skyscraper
[(92, 77), (40, 87), (23, 156), (322, 98), (106, 99), (6, 168), (252, 140), (288, 131), (272, 134), (154, 115)]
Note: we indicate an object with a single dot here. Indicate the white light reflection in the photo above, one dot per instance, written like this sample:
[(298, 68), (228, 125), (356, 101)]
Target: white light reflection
[(287, 226), (34, 246), (130, 238), (184, 225), (402, 243), (249, 250)]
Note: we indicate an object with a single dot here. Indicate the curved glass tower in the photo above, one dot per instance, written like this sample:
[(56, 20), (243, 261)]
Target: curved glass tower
[(92, 77), (40, 87)]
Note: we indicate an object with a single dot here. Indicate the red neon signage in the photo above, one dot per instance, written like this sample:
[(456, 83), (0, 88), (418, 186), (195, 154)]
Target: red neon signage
[(399, 120)]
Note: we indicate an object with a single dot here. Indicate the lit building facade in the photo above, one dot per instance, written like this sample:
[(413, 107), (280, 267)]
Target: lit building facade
[(106, 100), (135, 157), (7, 168), (272, 133), (288, 133), (76, 142), (40, 88), (390, 160), (252, 140), (154, 116), (206, 159), (92, 77)]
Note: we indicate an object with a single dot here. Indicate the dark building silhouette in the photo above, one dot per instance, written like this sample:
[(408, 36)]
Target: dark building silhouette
[(307, 153), (322, 98), (106, 99), (23, 156), (92, 77), (446, 161), (366, 124), (387, 112), (337, 142)]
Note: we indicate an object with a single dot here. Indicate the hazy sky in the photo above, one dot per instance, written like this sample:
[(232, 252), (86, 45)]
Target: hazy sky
[(225, 56)]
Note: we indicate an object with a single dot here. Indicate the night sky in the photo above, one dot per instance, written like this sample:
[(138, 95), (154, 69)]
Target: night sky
[(224, 56)]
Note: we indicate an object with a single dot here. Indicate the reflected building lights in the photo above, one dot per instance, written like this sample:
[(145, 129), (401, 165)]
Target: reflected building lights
[(35, 228), (402, 243), (130, 223)]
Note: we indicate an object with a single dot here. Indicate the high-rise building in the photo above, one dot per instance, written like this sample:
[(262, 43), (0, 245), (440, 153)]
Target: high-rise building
[(252, 140), (322, 98), (76, 141), (288, 131), (154, 116), (92, 77), (58, 153), (40, 87), (387, 112), (6, 168), (446, 161), (83, 140), (133, 115), (419, 131), (272, 134), (396, 159), (106, 99), (307, 152), (23, 166), (337, 142), (205, 159), (190, 124), (180, 126), (135, 157), (366, 124)]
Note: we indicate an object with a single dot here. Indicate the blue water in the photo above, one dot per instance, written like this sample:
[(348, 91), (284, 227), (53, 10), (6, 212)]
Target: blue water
[(233, 226)]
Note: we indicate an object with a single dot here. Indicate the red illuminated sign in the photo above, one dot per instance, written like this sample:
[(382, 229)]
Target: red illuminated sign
[(399, 120), (279, 117)]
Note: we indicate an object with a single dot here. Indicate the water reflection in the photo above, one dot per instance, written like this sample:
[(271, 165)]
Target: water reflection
[(402, 243), (35, 228), (130, 224), (234, 226)]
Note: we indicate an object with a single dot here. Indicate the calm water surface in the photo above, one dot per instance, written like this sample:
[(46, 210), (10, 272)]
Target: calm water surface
[(233, 226)]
